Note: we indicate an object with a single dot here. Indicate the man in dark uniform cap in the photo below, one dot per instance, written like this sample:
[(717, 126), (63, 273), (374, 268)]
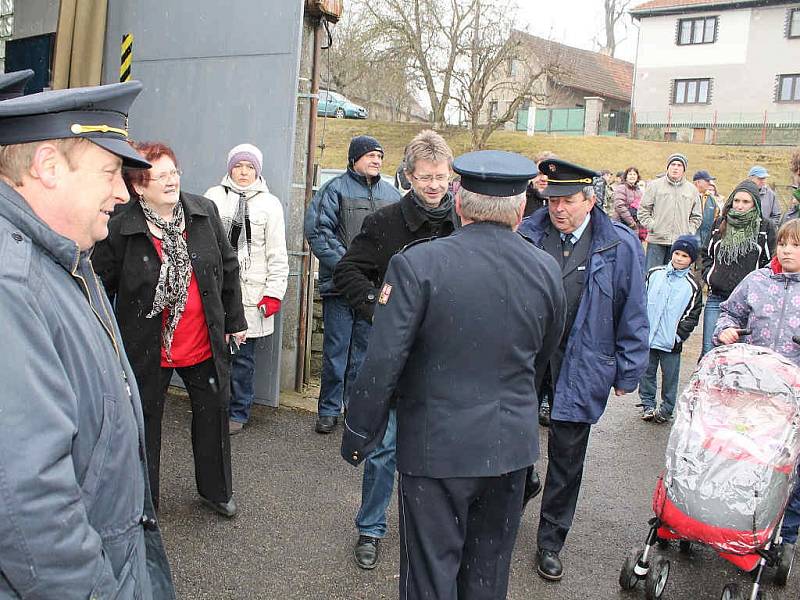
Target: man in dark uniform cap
[(462, 326), (76, 519), (12, 85), (605, 341)]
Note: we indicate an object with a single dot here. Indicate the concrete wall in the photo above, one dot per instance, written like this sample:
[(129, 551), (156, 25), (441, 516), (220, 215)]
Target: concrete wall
[(35, 17), (750, 52), (216, 75)]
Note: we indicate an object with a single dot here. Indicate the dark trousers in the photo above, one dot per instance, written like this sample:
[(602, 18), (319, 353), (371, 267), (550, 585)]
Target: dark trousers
[(211, 444), (566, 450), (457, 535)]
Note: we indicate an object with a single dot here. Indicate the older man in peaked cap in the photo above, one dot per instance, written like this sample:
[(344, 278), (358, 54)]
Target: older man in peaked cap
[(605, 341), (12, 85), (460, 327), (76, 519)]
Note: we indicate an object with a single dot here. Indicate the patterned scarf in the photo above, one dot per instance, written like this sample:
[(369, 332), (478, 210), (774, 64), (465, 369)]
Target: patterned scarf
[(172, 288), (740, 236), (236, 226)]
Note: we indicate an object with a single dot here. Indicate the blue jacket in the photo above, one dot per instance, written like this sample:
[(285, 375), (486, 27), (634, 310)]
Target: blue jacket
[(710, 213), (335, 217), (674, 302), (607, 345)]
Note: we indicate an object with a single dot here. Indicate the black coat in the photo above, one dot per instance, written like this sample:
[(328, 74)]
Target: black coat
[(128, 264), (463, 325), (361, 270)]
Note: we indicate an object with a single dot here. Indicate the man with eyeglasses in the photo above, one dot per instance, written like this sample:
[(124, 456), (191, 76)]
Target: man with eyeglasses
[(332, 222), (425, 212)]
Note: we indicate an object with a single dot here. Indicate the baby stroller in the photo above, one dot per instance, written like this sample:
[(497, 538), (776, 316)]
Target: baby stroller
[(731, 465)]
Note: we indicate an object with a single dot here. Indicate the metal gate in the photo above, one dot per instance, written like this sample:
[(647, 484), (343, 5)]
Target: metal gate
[(566, 121)]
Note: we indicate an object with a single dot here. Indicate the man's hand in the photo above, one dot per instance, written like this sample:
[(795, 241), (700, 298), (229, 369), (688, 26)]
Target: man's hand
[(619, 392), (729, 336)]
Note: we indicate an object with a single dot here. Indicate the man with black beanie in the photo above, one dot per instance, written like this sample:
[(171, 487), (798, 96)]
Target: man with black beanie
[(332, 222)]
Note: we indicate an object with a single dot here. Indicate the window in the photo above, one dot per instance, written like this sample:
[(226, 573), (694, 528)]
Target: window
[(788, 88), (697, 31), (492, 110), (793, 28), (691, 91)]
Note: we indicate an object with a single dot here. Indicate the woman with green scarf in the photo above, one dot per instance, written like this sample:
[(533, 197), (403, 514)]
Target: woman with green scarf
[(740, 242)]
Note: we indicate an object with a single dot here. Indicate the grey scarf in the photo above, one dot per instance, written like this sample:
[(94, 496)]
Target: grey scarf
[(172, 288), (435, 214)]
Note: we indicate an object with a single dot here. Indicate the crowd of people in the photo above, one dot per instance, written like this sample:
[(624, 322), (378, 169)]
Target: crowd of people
[(493, 292)]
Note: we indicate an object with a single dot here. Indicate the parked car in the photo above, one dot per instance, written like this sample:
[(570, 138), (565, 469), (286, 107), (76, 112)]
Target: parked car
[(332, 104)]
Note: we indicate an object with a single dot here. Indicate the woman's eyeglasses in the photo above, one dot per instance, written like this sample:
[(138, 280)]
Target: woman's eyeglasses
[(164, 177)]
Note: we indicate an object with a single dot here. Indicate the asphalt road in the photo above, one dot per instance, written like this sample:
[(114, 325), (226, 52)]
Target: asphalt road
[(293, 538)]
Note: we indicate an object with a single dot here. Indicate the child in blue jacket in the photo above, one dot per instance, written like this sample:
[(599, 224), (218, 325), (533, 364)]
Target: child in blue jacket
[(674, 302)]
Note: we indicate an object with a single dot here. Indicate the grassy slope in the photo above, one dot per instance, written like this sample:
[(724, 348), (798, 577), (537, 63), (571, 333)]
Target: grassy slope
[(729, 164)]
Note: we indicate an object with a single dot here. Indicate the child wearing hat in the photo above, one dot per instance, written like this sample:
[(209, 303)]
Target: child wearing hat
[(674, 302)]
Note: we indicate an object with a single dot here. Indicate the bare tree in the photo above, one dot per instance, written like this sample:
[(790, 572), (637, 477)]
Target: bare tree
[(430, 34), (350, 66), (614, 11), (500, 65)]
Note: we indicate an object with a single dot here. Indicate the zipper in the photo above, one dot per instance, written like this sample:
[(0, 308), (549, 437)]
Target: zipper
[(783, 313), (96, 314)]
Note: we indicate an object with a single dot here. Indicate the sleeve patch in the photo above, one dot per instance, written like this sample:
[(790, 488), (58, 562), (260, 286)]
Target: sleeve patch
[(386, 290)]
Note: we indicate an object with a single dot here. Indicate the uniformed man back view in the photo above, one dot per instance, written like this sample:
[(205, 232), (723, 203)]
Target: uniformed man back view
[(462, 327)]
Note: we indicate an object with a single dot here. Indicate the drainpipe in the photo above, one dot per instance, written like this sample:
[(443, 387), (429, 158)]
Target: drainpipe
[(305, 277)]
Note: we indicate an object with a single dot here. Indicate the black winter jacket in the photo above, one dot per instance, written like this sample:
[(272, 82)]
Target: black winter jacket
[(722, 278), (361, 270), (128, 264)]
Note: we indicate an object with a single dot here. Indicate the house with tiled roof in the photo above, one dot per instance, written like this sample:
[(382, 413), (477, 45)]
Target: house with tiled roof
[(585, 88), (717, 71)]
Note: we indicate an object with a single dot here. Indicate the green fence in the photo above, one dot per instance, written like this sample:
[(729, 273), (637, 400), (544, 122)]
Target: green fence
[(567, 121)]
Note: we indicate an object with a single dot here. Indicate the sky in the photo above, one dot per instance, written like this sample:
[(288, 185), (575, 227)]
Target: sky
[(573, 22)]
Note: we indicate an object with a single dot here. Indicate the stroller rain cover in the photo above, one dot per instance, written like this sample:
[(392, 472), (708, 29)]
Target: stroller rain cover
[(733, 450)]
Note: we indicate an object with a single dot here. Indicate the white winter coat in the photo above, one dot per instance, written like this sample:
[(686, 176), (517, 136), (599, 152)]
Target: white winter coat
[(266, 271)]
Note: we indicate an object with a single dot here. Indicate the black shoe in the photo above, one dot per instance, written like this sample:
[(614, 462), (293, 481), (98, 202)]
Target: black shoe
[(226, 509), (533, 485), (548, 565), (366, 552), (325, 424), (544, 413), (661, 417)]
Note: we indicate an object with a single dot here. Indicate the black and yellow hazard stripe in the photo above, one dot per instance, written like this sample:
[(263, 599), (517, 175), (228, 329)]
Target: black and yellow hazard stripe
[(126, 57)]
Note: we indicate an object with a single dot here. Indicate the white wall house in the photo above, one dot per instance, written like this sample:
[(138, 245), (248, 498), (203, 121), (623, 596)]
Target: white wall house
[(717, 62)]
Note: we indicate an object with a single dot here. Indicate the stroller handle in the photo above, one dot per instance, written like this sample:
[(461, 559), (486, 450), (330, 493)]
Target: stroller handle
[(741, 332)]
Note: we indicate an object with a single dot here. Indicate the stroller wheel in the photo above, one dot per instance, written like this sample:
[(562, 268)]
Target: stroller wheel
[(662, 543), (627, 575), (685, 546), (784, 566), (732, 592), (656, 579)]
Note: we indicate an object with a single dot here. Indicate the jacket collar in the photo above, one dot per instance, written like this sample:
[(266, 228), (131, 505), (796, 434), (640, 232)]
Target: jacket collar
[(415, 218), (361, 178), (538, 226), (15, 209), (132, 219)]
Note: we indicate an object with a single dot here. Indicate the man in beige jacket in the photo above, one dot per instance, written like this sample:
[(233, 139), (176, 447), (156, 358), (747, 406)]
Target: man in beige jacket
[(670, 208)]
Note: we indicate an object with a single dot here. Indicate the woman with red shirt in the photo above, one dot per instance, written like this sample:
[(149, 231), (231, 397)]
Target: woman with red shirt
[(174, 281)]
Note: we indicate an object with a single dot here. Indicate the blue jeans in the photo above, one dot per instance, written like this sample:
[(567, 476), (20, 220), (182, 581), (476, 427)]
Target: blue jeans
[(670, 370), (657, 254), (710, 315), (243, 368), (378, 483), (344, 344), (791, 518)]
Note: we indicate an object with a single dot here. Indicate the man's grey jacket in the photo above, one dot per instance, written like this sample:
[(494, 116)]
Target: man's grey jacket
[(76, 518)]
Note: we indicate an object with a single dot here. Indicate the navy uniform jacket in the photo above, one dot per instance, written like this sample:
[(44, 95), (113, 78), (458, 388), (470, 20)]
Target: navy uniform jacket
[(462, 326)]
